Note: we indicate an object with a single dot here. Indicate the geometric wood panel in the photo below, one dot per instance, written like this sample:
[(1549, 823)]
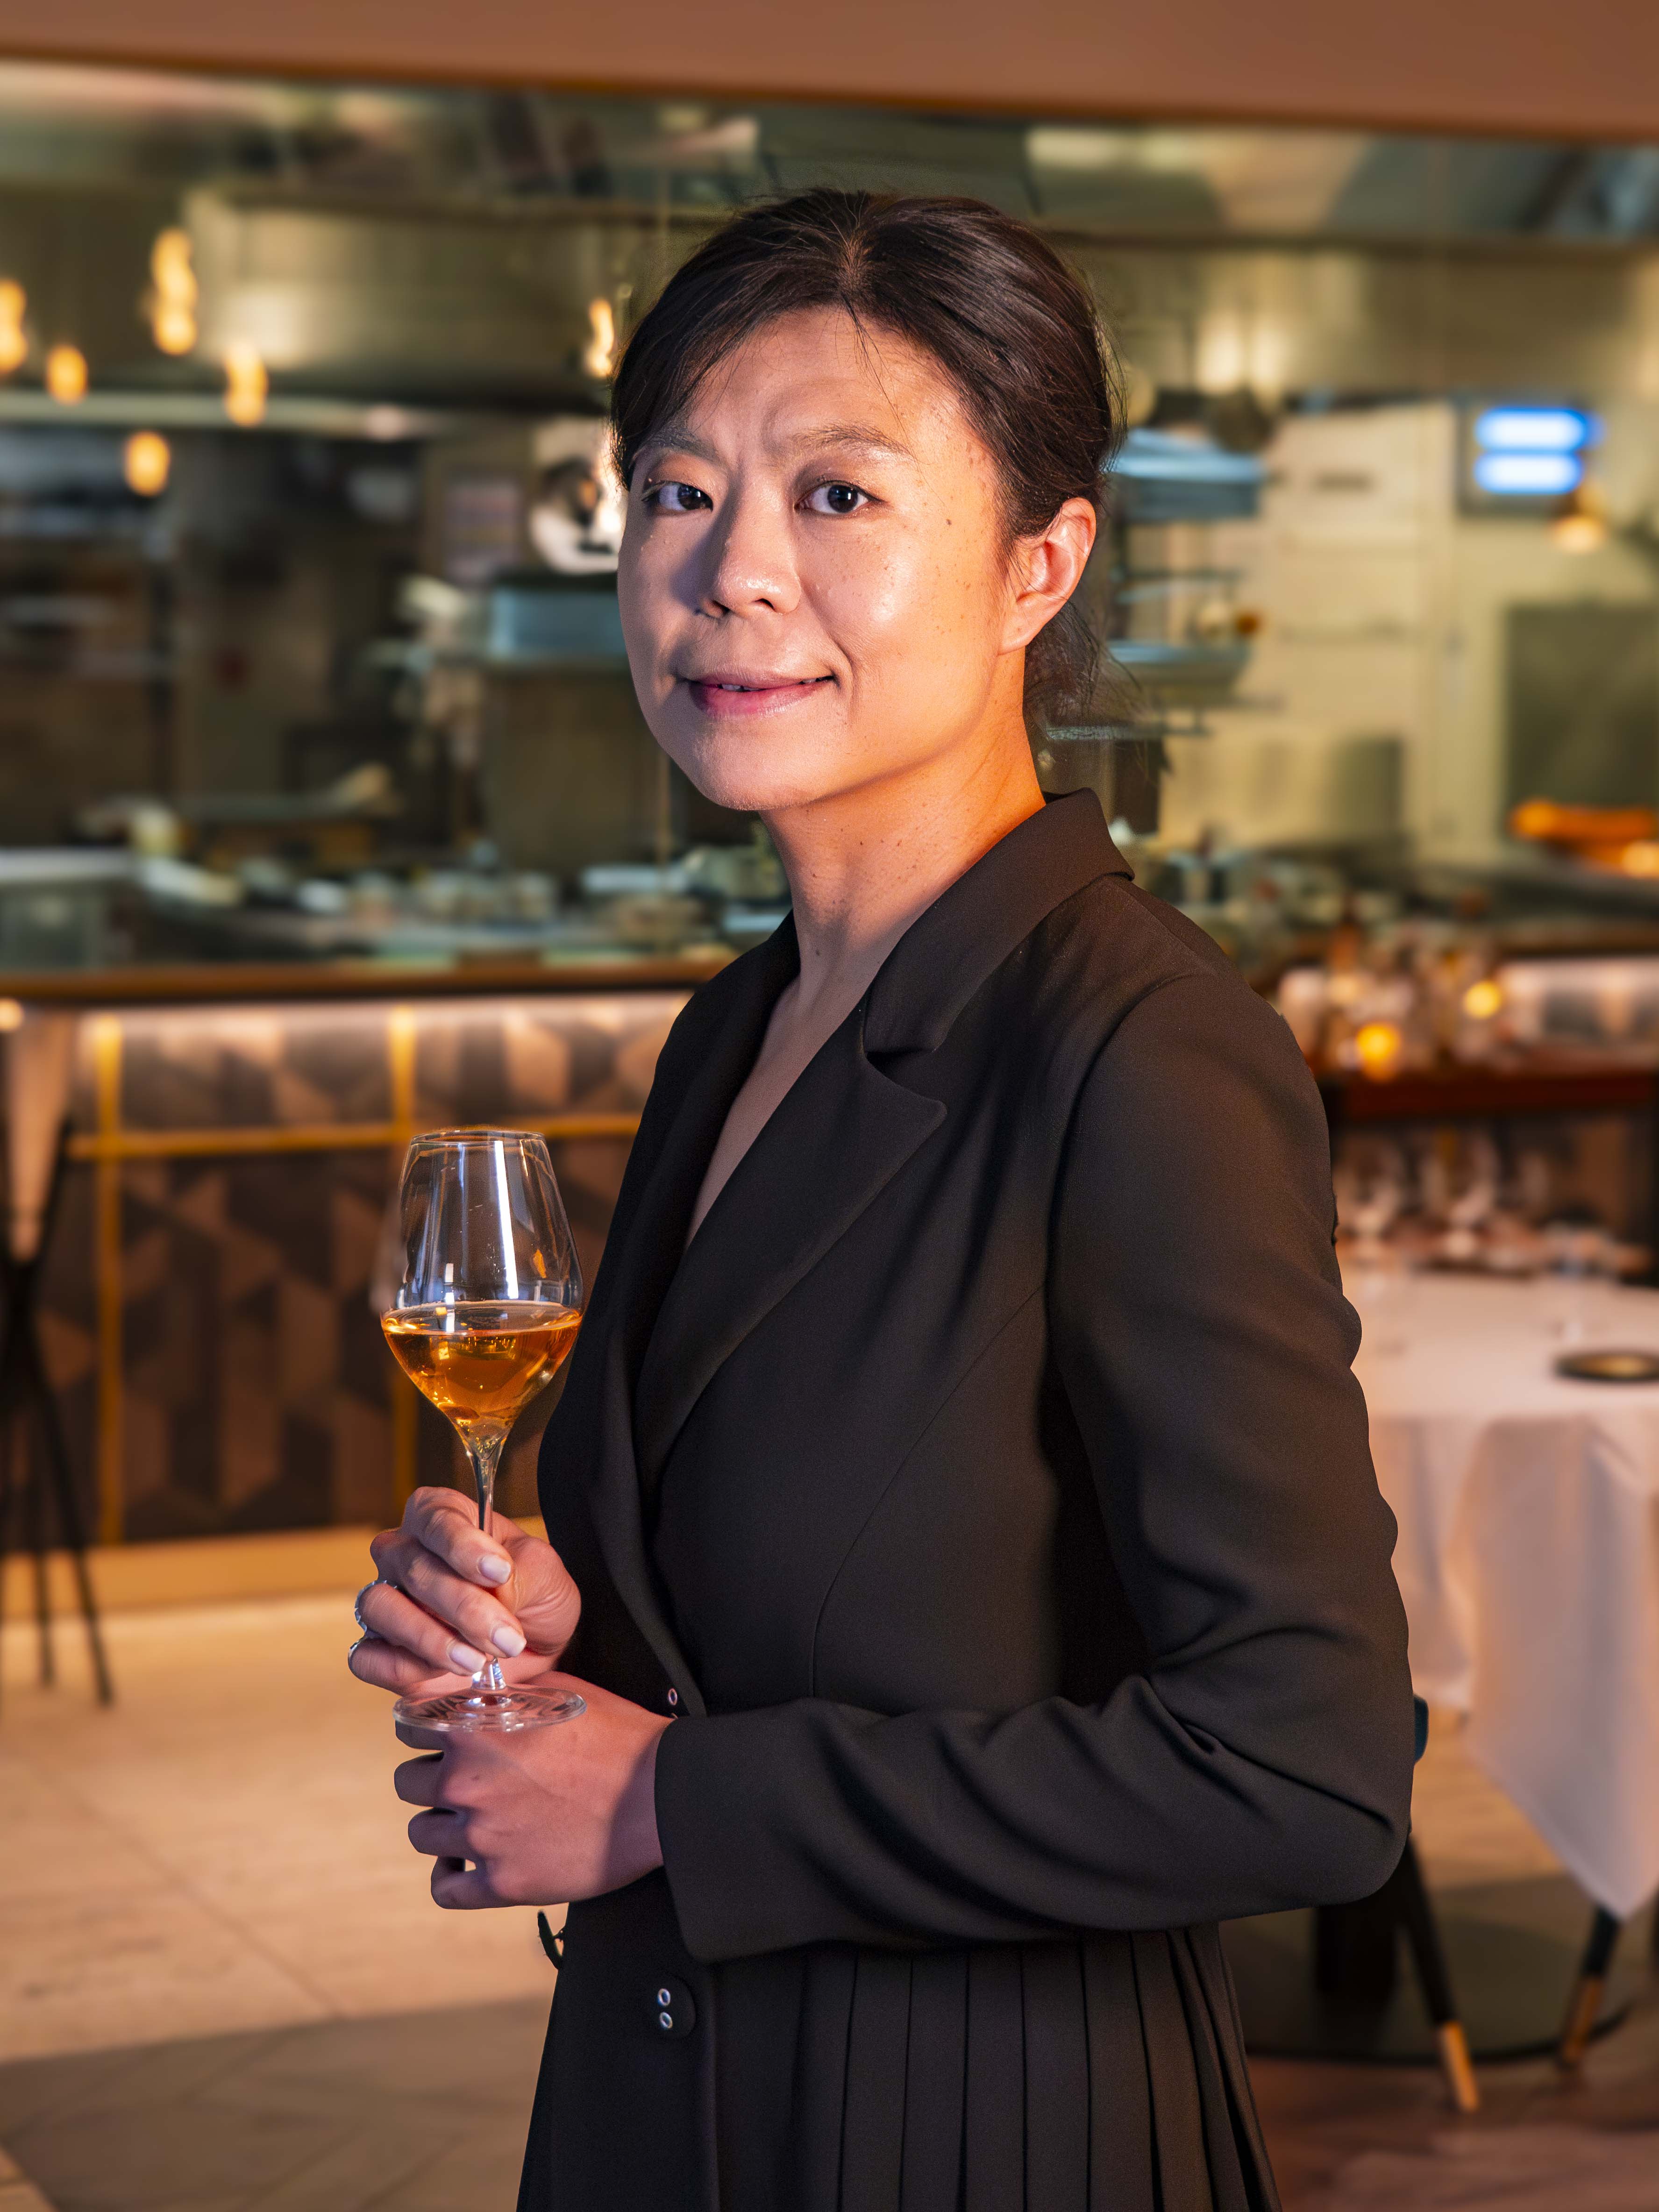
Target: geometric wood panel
[(256, 1389)]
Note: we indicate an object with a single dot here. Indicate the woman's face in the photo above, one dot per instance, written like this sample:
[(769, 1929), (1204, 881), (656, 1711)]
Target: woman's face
[(816, 587)]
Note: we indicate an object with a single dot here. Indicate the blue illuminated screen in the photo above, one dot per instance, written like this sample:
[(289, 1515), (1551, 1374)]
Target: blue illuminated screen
[(1535, 430), (1532, 452), (1528, 475)]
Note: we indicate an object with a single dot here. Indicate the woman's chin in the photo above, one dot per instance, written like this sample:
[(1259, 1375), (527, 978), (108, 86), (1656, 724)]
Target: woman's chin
[(753, 776)]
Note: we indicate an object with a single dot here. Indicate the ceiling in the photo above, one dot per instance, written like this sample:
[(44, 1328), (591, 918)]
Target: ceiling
[(168, 132), (442, 247)]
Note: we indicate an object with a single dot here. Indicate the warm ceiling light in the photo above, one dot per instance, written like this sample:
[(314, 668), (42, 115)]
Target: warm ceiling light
[(246, 384), (173, 327), (170, 265), (11, 1014), (14, 338), (146, 462), (1484, 999), (66, 375), (172, 302), (600, 357)]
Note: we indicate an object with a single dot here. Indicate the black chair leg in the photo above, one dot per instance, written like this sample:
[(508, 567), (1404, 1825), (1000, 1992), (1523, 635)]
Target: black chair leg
[(34, 1491), (1585, 2003), (1429, 1957), (28, 1413), (5, 1512), (50, 1429)]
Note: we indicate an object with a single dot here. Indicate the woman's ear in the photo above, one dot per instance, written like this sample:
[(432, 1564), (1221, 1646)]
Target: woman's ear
[(1047, 569)]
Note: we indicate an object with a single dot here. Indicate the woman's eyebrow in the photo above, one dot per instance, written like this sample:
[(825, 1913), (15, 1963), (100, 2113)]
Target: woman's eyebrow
[(675, 438), (850, 438), (839, 437)]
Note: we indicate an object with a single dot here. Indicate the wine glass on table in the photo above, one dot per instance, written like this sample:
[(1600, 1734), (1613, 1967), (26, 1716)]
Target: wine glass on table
[(485, 1315)]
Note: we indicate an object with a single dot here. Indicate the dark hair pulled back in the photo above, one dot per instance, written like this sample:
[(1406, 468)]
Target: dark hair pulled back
[(1012, 326)]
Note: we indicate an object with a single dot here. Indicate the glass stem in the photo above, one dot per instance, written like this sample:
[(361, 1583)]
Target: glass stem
[(484, 1451)]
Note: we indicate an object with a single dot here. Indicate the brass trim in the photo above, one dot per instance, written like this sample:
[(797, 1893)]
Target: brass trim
[(108, 1144), (1458, 2066), (105, 1040), (403, 1402), (1584, 2010), (401, 1038), (237, 983)]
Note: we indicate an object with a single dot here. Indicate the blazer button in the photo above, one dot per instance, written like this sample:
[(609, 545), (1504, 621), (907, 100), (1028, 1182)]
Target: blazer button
[(674, 2011)]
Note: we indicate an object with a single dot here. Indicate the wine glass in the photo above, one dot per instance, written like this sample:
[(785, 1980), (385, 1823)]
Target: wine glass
[(1371, 1189), (485, 1314)]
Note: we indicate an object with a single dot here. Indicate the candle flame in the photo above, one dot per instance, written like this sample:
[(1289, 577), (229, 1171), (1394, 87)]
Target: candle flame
[(1377, 1045)]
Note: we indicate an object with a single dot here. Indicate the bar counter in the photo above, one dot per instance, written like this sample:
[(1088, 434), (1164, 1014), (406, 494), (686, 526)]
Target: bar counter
[(208, 1313), (234, 1130)]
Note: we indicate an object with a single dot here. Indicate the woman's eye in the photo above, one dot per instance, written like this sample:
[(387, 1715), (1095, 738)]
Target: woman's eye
[(837, 499), (677, 498)]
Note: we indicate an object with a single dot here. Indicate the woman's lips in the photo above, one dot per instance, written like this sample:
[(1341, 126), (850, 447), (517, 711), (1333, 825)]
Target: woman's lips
[(722, 695)]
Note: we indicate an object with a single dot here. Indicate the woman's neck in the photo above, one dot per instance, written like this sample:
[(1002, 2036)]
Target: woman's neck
[(862, 866)]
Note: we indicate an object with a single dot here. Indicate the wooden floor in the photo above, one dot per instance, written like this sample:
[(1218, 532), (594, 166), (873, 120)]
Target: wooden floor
[(222, 1985), (1351, 2139)]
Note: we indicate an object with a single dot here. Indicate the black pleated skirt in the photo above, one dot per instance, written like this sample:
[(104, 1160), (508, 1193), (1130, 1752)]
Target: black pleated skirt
[(1105, 2074)]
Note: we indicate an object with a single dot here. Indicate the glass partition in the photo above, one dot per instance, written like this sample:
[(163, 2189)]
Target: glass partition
[(307, 611)]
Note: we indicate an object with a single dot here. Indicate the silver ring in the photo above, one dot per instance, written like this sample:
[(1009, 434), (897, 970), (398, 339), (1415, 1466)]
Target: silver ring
[(357, 1602)]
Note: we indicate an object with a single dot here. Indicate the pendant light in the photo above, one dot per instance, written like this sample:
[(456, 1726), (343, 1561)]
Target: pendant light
[(66, 375)]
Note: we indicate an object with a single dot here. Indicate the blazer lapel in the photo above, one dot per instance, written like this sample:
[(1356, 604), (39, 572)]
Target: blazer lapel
[(833, 1143), (669, 1314), (638, 1269)]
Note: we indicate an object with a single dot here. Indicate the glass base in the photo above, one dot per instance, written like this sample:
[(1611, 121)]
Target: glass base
[(473, 1710)]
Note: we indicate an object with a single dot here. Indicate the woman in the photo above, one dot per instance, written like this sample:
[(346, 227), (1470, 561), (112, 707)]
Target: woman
[(961, 1525)]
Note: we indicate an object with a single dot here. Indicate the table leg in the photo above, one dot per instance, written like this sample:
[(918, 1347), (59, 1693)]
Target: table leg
[(1411, 1901), (1585, 2003)]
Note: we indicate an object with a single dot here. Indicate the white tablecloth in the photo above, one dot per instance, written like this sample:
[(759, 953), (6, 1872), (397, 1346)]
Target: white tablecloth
[(1529, 1553)]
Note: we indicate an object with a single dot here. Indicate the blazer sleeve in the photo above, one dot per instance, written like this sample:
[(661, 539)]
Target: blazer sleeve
[(1263, 1758)]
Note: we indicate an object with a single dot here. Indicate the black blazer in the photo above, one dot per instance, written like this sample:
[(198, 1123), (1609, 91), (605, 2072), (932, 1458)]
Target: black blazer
[(986, 1490)]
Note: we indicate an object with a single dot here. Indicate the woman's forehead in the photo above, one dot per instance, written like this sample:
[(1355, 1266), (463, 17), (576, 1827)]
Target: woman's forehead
[(818, 379)]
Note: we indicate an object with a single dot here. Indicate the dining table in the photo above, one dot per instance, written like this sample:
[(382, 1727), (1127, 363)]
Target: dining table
[(1527, 1505), (1527, 1501)]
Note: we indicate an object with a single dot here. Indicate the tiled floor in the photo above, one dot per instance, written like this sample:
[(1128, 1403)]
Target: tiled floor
[(223, 1986), (418, 2112), (222, 1850)]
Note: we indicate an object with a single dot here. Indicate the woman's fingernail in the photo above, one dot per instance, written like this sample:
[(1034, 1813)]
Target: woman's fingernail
[(493, 1568), (507, 1640), (465, 1660)]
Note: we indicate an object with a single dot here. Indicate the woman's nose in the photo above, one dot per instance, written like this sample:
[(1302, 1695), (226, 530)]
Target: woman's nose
[(750, 562)]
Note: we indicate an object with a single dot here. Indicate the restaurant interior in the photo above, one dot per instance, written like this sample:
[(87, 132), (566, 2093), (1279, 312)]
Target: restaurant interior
[(328, 816)]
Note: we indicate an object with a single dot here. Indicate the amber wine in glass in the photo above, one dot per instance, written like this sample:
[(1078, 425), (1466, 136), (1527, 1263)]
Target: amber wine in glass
[(485, 1315)]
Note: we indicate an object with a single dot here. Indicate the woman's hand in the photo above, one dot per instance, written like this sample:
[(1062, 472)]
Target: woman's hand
[(545, 1815), (450, 1598)]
